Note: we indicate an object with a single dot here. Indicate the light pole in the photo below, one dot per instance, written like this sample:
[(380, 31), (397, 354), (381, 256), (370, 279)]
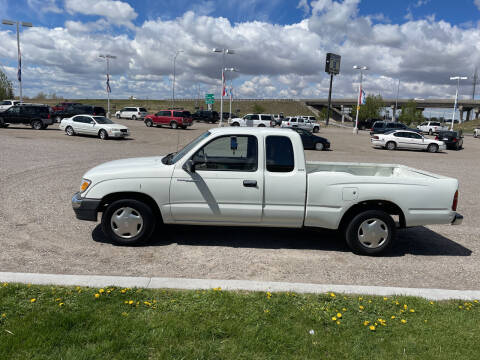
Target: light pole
[(396, 103), (19, 71), (458, 78), (223, 51), (362, 69), (231, 80), (109, 90), (173, 85)]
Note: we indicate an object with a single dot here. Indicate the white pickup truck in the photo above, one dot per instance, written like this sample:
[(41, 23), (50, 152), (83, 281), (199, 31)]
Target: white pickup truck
[(431, 127), (238, 177)]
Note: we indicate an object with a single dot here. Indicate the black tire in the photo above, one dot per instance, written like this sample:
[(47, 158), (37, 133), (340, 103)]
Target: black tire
[(134, 117), (376, 218), (316, 129), (174, 125), (183, 127), (475, 135), (430, 132), (261, 125), (37, 124), (149, 123), (102, 134), (118, 116), (140, 209), (235, 124), (390, 145), (319, 146), (69, 131), (44, 126), (2, 123), (432, 148)]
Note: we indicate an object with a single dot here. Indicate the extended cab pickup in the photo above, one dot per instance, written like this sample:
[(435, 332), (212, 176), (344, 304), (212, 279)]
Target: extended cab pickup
[(238, 176)]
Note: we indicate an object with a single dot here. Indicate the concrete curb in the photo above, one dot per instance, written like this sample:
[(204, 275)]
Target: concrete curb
[(249, 285)]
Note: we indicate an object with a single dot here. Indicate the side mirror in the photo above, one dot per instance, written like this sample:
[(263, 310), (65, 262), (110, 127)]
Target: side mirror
[(189, 166)]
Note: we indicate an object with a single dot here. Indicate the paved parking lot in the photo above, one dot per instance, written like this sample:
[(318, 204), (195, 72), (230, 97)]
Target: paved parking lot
[(40, 171)]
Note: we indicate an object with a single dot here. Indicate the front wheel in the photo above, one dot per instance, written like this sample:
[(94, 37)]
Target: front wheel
[(261, 125), (370, 232), (149, 123), (391, 145), (475, 135), (430, 132), (319, 146), (102, 134), (432, 148), (118, 116), (235, 124), (173, 125), (316, 129), (69, 131), (128, 222)]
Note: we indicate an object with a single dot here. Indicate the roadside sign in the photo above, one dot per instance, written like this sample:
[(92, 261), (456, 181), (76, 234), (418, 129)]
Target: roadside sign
[(209, 99)]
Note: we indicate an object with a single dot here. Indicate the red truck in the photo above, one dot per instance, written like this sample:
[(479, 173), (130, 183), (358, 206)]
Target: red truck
[(173, 118)]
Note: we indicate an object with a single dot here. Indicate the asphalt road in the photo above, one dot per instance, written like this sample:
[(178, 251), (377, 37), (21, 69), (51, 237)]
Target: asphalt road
[(40, 171)]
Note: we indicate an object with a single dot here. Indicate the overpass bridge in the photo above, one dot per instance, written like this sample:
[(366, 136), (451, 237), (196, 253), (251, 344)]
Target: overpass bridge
[(464, 106)]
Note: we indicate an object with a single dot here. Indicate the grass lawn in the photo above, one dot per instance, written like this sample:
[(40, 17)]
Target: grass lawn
[(44, 322)]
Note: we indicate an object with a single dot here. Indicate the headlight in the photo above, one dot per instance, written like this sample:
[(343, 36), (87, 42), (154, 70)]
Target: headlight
[(85, 184)]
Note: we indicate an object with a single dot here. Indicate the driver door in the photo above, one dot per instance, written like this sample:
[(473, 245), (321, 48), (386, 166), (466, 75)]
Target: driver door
[(226, 187)]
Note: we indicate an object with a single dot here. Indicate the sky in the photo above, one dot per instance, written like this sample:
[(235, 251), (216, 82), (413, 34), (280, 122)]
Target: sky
[(280, 47)]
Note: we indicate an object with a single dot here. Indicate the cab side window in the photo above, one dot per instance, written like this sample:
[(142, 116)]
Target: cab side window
[(228, 153), (280, 155)]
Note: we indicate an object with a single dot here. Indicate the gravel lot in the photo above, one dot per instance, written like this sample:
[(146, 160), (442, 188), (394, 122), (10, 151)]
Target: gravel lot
[(40, 171)]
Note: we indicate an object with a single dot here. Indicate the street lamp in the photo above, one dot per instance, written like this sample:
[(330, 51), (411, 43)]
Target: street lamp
[(458, 78), (362, 69), (223, 51), (231, 86), (173, 85), (19, 71), (107, 57)]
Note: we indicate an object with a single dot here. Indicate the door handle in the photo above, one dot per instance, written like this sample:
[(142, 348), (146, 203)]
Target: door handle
[(187, 180), (250, 183)]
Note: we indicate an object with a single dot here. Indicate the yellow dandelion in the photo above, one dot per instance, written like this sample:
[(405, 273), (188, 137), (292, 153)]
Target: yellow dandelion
[(397, 303), (344, 309), (154, 301), (97, 296), (392, 317), (338, 322), (402, 311), (33, 300), (339, 315), (369, 301), (126, 301), (61, 304), (109, 291), (361, 307), (475, 301), (123, 291), (77, 288), (431, 302), (425, 320), (147, 303), (4, 315), (332, 294), (58, 299), (101, 291), (372, 328), (366, 322), (334, 318), (124, 314), (405, 306), (5, 284), (403, 321), (460, 307), (360, 298), (130, 302), (266, 311), (412, 310), (385, 299)]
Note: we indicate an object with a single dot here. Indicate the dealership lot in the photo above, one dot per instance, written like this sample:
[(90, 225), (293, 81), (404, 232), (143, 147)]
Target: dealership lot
[(40, 171)]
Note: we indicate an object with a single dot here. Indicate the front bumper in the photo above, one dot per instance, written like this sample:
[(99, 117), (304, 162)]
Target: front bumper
[(85, 209), (457, 220)]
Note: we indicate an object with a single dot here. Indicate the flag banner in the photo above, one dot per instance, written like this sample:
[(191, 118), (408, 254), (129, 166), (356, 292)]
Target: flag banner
[(19, 72), (109, 89), (364, 98), (231, 92)]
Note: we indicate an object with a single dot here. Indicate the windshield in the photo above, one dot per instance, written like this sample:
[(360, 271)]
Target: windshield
[(102, 120), (174, 157)]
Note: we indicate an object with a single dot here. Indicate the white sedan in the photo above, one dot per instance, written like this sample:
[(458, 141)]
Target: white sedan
[(402, 139), (93, 125)]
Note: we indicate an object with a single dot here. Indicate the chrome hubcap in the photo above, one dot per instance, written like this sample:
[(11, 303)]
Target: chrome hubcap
[(373, 233), (126, 222), (69, 131)]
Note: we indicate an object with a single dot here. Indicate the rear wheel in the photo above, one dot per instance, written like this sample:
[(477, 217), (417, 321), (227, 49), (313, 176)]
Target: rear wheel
[(69, 131), (102, 134), (319, 146), (37, 125), (118, 116), (391, 145), (173, 125), (316, 129), (261, 125), (235, 124), (370, 233), (134, 117), (128, 222), (432, 148), (149, 123), (430, 132)]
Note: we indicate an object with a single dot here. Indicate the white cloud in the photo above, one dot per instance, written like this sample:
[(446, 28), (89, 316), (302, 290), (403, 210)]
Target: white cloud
[(477, 3), (117, 12), (44, 6)]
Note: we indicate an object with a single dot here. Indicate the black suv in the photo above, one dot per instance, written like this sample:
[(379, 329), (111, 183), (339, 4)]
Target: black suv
[(381, 127), (35, 115), (72, 110), (206, 115)]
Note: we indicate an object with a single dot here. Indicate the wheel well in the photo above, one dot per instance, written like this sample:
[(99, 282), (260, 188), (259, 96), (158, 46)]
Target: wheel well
[(383, 205), (108, 199)]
